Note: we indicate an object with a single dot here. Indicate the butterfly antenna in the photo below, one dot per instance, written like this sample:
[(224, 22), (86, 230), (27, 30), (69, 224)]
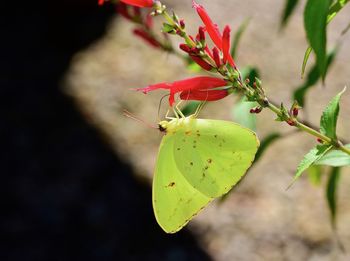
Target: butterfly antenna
[(160, 104), (132, 116)]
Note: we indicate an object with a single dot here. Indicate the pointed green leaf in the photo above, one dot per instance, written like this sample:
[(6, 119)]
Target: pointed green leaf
[(288, 10), (238, 36), (333, 11), (265, 143), (311, 79), (335, 158), (306, 58), (335, 8), (315, 173), (315, 22), (331, 193), (330, 116), (311, 157)]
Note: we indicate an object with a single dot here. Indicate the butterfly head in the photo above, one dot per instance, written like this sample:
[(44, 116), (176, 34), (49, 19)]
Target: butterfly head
[(163, 126)]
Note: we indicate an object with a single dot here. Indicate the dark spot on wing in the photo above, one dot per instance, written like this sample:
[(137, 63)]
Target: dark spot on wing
[(188, 132), (178, 149), (171, 184), (191, 163), (209, 161), (215, 136)]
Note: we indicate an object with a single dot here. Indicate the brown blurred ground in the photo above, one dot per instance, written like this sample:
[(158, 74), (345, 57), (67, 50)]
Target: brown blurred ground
[(260, 220)]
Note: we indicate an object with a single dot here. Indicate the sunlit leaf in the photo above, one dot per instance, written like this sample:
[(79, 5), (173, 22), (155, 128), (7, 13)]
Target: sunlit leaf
[(335, 158), (309, 159), (330, 116)]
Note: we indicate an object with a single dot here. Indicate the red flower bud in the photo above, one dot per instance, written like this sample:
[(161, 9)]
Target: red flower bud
[(185, 48), (291, 122), (295, 112), (216, 55), (201, 33), (182, 23), (201, 62), (320, 140), (147, 37), (226, 43), (203, 95)]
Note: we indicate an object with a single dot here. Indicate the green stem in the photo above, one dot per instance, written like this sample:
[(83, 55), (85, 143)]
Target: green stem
[(311, 131)]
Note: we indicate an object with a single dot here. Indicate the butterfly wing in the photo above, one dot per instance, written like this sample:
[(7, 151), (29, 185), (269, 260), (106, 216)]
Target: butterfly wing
[(213, 155), (175, 201)]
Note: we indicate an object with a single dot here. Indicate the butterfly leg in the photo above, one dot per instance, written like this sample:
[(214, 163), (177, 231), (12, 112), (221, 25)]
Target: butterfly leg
[(200, 106), (179, 110), (168, 117)]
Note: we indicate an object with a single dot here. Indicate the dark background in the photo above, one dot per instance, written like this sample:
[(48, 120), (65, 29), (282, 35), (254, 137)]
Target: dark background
[(65, 195)]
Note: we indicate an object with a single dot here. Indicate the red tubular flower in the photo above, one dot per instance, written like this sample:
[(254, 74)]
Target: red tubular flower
[(201, 62), (226, 43), (211, 28), (203, 95), (216, 55), (190, 84), (146, 37), (138, 3)]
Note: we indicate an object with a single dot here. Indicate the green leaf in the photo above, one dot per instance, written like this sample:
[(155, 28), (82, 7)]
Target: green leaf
[(250, 72), (190, 108), (265, 143), (309, 159), (288, 10), (330, 116), (331, 193), (311, 79), (168, 28), (335, 158), (315, 22), (333, 11), (306, 58), (335, 8), (238, 36), (242, 115), (314, 173), (193, 67)]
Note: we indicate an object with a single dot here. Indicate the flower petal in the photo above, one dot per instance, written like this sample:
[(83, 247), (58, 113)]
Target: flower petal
[(139, 3), (204, 95), (211, 28)]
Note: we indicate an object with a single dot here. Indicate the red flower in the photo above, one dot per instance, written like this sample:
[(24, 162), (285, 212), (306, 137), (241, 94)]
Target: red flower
[(203, 95), (139, 3), (216, 56), (212, 28), (190, 84), (147, 37), (226, 43)]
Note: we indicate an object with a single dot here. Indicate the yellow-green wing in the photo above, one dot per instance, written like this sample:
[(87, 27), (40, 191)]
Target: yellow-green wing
[(213, 155), (175, 201)]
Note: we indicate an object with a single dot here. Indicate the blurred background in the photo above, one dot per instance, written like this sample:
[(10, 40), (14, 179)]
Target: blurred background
[(76, 174)]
